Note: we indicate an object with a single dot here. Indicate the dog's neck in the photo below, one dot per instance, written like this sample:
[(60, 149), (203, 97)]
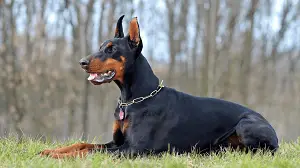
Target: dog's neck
[(139, 81)]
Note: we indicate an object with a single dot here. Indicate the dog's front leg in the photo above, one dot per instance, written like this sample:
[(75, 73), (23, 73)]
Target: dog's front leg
[(118, 140), (77, 148), (119, 151)]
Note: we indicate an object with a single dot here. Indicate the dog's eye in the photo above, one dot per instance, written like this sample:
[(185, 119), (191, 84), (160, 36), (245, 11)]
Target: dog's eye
[(110, 49)]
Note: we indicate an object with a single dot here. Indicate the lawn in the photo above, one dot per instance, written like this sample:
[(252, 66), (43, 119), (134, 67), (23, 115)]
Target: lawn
[(23, 154)]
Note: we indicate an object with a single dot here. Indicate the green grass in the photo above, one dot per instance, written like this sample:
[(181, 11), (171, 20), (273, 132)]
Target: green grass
[(23, 154)]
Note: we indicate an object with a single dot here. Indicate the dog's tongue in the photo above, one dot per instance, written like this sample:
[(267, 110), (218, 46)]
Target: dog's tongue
[(92, 76)]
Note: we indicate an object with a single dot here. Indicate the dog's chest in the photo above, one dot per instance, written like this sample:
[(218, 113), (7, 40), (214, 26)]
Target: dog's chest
[(139, 129)]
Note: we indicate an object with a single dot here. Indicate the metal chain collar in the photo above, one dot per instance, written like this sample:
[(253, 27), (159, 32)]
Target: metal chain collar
[(140, 99)]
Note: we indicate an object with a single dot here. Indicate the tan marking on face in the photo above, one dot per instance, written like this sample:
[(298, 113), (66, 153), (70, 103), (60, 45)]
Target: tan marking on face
[(97, 66)]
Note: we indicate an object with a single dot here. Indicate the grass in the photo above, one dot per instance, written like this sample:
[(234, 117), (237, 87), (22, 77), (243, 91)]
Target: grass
[(23, 154)]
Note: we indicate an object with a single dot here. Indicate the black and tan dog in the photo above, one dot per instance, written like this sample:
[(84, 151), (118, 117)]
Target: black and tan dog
[(151, 118)]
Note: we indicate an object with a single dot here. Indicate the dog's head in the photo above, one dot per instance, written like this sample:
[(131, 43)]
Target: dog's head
[(115, 56)]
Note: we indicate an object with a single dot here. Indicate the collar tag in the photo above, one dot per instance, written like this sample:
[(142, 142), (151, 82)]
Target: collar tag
[(121, 114)]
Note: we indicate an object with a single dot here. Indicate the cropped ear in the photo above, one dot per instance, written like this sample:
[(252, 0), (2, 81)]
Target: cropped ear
[(119, 28), (134, 33)]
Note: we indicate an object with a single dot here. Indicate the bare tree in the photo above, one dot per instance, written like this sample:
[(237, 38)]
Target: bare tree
[(231, 28), (85, 42), (15, 106), (176, 27), (209, 43), (246, 59), (199, 8)]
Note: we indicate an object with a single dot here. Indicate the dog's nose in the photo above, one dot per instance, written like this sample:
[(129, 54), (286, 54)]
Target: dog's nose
[(84, 62)]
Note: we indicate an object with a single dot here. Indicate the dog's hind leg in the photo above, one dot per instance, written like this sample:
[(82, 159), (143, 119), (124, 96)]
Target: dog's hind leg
[(254, 132)]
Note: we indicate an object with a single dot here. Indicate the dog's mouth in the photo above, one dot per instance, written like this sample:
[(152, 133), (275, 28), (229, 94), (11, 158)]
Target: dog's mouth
[(102, 77)]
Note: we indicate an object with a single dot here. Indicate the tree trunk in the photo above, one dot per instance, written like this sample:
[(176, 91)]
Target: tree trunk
[(207, 48), (85, 49), (195, 47), (171, 40), (227, 77), (3, 74), (244, 76), (213, 50), (14, 106), (176, 45), (264, 73), (100, 35)]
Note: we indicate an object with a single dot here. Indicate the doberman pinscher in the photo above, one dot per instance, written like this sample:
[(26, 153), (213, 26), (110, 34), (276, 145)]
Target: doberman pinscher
[(150, 118)]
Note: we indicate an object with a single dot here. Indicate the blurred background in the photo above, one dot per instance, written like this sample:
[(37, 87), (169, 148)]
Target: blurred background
[(245, 51)]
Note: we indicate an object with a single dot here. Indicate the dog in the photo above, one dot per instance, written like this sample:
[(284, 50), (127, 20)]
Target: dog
[(151, 118)]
